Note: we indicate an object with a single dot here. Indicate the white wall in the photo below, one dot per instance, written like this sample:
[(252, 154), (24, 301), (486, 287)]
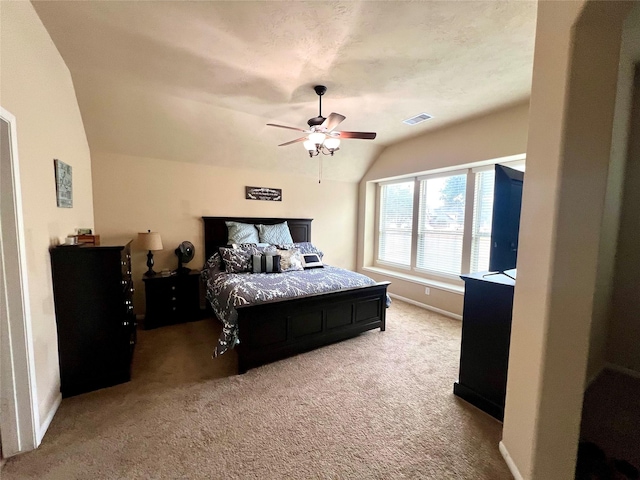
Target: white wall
[(624, 314), (498, 134), (36, 87), (571, 120), (134, 194)]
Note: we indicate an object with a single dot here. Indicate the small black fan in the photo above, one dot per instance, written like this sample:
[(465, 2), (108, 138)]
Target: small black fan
[(184, 252)]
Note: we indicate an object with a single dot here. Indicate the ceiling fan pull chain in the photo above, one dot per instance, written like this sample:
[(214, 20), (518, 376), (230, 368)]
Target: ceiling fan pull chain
[(319, 169)]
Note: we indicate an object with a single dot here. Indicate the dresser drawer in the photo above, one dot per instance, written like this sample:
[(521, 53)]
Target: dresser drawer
[(173, 299)]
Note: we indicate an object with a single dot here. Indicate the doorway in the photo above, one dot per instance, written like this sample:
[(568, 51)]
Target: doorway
[(19, 415)]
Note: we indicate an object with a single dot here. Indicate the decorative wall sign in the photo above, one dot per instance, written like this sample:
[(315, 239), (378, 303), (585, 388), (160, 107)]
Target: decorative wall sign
[(64, 187), (264, 193)]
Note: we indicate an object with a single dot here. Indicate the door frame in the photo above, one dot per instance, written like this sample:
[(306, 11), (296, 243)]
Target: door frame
[(19, 411)]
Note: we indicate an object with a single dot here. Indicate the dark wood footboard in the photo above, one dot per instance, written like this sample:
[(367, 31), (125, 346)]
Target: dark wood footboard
[(276, 330)]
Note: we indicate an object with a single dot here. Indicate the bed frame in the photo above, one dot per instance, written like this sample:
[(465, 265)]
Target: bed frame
[(278, 329)]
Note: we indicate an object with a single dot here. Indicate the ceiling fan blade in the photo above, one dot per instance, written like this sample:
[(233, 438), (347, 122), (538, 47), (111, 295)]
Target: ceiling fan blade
[(297, 140), (333, 121), (361, 135), (284, 126)]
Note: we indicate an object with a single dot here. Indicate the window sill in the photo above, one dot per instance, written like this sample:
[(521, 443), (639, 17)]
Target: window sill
[(445, 286)]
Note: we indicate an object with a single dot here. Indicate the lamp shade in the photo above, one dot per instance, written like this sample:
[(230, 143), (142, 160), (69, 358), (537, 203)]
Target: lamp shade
[(309, 145), (150, 241), (317, 137), (332, 143)]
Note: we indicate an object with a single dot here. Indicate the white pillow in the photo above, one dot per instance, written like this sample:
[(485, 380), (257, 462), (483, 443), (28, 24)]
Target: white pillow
[(275, 234), (290, 260), (241, 233)]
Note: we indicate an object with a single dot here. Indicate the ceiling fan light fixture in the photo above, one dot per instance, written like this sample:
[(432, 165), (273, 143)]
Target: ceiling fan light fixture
[(332, 143), (322, 138), (317, 138)]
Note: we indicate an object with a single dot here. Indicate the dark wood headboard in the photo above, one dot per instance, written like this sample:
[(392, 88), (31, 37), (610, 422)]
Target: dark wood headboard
[(216, 233)]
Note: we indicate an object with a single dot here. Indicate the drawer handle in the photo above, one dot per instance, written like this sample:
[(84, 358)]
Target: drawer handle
[(173, 299), (131, 290), (126, 324), (173, 287), (174, 309), (132, 342)]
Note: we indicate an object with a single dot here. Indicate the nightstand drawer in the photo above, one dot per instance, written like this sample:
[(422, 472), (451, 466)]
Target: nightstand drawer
[(173, 299)]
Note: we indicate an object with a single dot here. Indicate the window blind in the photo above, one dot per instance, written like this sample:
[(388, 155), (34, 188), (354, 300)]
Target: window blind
[(482, 215), (441, 224), (395, 223)]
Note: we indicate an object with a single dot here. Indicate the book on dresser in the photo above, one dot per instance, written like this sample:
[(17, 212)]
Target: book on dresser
[(93, 296)]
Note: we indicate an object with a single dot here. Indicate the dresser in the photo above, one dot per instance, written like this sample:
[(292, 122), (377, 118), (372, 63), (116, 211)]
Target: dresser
[(93, 296), (172, 299), (486, 334)]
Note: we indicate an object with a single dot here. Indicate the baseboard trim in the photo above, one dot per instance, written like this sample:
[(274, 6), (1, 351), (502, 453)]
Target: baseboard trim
[(47, 420), (509, 461), (426, 307), (625, 370)]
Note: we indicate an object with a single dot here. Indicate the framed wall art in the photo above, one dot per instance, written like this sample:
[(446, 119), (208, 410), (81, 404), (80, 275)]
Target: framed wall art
[(64, 185), (263, 193)]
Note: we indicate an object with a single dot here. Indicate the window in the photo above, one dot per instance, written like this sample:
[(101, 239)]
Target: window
[(441, 224), (482, 213), (447, 235), (396, 223)]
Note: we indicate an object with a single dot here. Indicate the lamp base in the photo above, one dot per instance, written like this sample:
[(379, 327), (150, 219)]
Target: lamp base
[(150, 272)]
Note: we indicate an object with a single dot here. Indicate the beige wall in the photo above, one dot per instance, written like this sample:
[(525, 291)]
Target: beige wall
[(133, 194), (496, 135), (622, 349), (36, 87), (571, 120)]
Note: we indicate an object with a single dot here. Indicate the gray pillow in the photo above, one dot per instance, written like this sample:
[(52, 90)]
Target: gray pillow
[(236, 260), (275, 234), (242, 233), (304, 247), (266, 263)]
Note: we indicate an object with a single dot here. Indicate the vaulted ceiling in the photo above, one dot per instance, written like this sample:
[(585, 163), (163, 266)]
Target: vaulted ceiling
[(199, 81)]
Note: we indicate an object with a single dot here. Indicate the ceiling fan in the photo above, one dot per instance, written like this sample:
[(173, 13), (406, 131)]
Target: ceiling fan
[(321, 136)]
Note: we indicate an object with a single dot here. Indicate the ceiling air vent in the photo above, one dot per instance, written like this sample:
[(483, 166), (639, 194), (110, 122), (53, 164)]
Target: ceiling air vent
[(417, 119)]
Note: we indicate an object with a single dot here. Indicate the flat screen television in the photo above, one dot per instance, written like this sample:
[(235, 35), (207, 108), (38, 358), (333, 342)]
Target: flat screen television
[(505, 224)]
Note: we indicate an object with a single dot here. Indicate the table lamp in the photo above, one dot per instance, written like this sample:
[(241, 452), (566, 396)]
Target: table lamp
[(150, 241)]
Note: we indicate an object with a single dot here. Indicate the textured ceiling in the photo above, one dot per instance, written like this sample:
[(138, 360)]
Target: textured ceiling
[(198, 81)]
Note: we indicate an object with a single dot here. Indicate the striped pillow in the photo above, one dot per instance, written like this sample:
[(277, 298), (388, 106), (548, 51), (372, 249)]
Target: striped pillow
[(266, 263)]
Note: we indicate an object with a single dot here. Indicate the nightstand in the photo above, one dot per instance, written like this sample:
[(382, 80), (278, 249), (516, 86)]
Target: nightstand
[(172, 299)]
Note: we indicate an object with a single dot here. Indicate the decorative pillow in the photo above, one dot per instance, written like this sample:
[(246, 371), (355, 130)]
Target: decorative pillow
[(278, 233), (304, 247), (290, 260), (266, 248), (311, 260), (214, 262), (260, 246), (236, 260), (242, 233), (266, 263)]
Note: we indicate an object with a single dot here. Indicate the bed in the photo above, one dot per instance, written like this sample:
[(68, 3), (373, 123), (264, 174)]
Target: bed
[(276, 329)]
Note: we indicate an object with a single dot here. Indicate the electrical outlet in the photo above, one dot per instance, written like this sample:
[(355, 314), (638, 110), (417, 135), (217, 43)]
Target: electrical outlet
[(427, 291)]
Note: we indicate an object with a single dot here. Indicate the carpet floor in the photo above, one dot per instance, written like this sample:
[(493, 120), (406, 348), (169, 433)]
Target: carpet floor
[(376, 406)]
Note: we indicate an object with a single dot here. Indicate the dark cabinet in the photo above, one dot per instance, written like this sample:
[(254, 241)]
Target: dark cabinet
[(93, 296), (486, 333), (172, 299)]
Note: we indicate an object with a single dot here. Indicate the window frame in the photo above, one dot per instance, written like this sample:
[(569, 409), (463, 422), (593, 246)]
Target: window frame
[(467, 234), (385, 263)]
